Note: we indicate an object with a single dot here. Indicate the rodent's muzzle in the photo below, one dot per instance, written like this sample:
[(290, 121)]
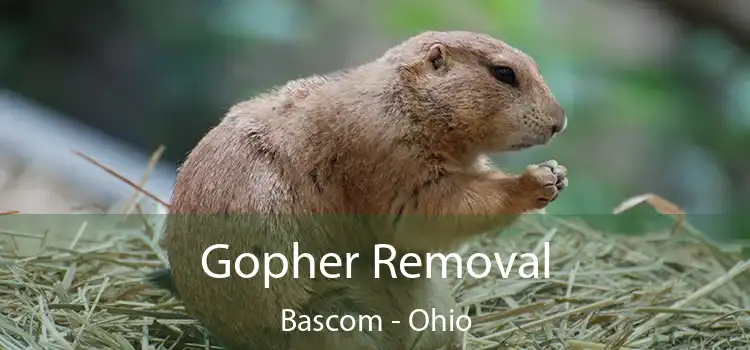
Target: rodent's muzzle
[(555, 129), (543, 133)]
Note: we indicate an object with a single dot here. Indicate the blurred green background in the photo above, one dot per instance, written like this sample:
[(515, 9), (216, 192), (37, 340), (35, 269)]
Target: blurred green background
[(657, 92)]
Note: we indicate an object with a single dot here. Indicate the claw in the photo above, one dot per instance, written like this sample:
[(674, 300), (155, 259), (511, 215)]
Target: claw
[(550, 163)]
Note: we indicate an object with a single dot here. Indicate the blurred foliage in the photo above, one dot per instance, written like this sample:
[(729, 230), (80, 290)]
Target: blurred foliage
[(681, 129)]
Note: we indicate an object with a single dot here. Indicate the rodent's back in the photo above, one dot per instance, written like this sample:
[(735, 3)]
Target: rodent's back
[(222, 192), (304, 147), (288, 166)]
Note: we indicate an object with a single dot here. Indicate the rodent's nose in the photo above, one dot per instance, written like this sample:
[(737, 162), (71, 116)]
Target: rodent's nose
[(560, 127), (562, 120)]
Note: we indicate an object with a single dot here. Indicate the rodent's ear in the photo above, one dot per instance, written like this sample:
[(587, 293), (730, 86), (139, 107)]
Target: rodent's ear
[(436, 56)]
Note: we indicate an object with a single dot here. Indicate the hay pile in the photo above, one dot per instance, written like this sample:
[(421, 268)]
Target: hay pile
[(665, 291)]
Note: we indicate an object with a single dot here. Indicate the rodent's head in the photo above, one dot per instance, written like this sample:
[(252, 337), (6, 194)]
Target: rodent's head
[(479, 88)]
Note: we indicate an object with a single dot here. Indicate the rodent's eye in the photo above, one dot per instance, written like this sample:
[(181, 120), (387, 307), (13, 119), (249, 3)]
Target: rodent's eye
[(505, 75)]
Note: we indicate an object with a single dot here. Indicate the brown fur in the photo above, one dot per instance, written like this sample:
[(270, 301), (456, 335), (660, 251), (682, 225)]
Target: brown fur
[(393, 151)]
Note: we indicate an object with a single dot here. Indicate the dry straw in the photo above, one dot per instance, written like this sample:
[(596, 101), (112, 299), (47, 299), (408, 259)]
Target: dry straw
[(670, 290)]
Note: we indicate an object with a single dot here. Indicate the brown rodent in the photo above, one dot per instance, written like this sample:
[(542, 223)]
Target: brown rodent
[(390, 152)]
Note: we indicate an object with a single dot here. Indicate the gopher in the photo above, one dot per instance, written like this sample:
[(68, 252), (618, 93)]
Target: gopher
[(394, 152)]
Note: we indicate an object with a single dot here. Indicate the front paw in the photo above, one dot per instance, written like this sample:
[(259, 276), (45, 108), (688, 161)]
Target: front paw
[(542, 183)]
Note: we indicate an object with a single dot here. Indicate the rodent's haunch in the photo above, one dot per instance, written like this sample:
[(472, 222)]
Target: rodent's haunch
[(392, 151)]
